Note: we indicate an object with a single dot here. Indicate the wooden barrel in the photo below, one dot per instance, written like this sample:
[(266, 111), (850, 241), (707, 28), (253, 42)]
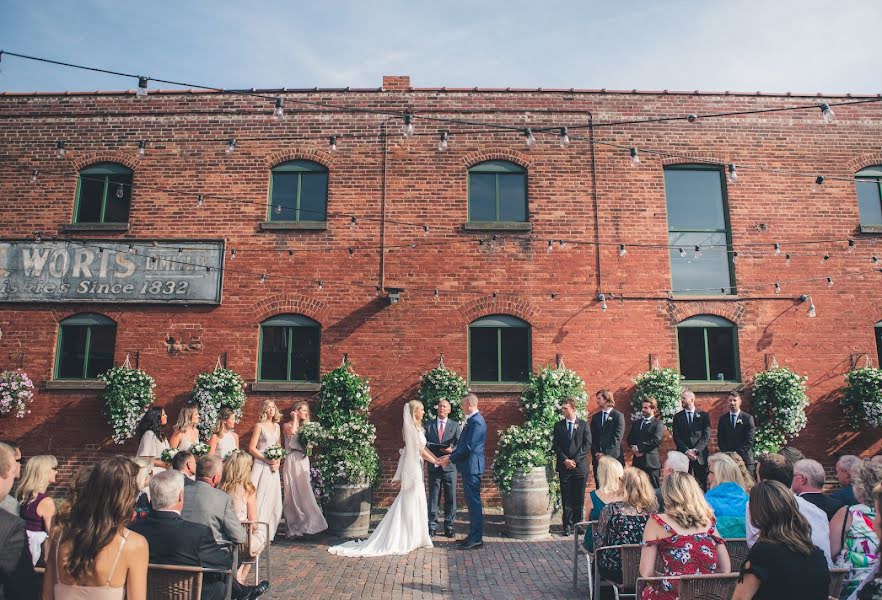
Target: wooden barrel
[(527, 508), (348, 510)]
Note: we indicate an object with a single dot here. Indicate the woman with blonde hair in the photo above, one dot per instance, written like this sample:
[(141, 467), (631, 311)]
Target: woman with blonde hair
[(622, 521), (727, 496), (746, 476), (185, 433), (609, 475), (853, 542), (302, 513), (224, 440), (265, 472), (35, 507), (236, 482), (142, 481), (685, 535)]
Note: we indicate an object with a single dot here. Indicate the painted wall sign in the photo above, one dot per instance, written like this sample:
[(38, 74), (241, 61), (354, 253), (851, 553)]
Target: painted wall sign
[(182, 272)]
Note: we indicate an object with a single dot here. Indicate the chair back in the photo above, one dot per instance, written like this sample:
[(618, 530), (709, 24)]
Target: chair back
[(737, 548), (174, 582), (837, 580), (630, 563), (718, 586)]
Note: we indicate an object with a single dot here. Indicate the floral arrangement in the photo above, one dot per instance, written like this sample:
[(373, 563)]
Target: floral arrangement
[(275, 453), (541, 401), (127, 394), (310, 436), (315, 481), (213, 391), (168, 454), (439, 384), (778, 404), (346, 447), (862, 397), (200, 449), (16, 393), (664, 386)]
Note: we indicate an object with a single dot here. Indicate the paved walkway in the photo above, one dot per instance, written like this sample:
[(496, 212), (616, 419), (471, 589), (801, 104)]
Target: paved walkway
[(503, 568)]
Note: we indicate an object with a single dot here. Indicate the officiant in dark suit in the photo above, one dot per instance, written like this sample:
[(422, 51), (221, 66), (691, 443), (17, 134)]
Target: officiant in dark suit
[(645, 437), (735, 432), (571, 443), (692, 431), (607, 431), (442, 434)]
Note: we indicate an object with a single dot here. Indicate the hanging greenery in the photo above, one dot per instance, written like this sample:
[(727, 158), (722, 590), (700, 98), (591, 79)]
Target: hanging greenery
[(346, 450), (127, 394), (663, 385), (778, 403), (213, 391), (439, 384), (862, 397), (16, 393)]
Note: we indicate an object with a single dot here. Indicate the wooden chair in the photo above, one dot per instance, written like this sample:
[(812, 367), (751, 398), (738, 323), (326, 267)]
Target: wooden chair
[(718, 586), (630, 570), (255, 560), (838, 576), (737, 548), (579, 531), (176, 582)]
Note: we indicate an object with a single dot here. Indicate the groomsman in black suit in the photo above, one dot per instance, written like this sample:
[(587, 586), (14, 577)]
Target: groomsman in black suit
[(692, 431), (607, 431), (442, 434), (571, 443), (735, 432), (645, 437)]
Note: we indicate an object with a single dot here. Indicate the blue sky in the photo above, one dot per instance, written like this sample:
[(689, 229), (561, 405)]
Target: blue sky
[(773, 46)]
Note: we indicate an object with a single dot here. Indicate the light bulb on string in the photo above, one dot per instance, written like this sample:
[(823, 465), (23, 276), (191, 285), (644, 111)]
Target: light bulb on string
[(528, 137), (34, 175), (120, 192), (735, 257), (279, 111), (851, 245), (829, 282), (332, 143), (278, 209), (777, 288), (263, 278), (321, 284), (550, 246), (38, 236), (408, 128), (231, 145), (733, 174), (682, 252), (825, 258), (353, 220), (875, 260), (442, 141), (200, 200), (290, 252), (819, 180), (787, 259), (425, 231), (59, 149), (436, 296), (141, 91), (564, 137), (232, 253), (180, 250), (602, 299), (697, 251), (635, 158), (562, 244), (553, 295), (826, 112), (622, 250), (142, 147), (351, 252), (777, 249)]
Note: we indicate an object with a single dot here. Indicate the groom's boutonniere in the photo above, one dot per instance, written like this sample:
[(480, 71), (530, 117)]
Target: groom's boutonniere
[(739, 422)]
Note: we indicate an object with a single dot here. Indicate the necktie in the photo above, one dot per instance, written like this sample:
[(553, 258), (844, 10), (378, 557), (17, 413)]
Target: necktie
[(440, 431), (603, 419), (733, 420), (643, 424), (570, 429), (689, 417)]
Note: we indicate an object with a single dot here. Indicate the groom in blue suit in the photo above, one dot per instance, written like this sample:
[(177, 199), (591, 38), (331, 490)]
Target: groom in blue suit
[(469, 460)]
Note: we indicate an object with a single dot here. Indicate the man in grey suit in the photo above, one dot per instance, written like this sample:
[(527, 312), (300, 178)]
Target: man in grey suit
[(442, 434), (17, 579), (209, 506)]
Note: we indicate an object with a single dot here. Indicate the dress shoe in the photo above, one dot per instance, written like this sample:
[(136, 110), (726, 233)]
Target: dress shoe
[(464, 542), (567, 531), (255, 591), (473, 545), (448, 533)]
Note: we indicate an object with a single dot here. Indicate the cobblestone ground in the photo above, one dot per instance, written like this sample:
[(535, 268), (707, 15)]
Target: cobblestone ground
[(503, 568)]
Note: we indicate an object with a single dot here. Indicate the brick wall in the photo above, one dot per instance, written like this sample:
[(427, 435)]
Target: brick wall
[(393, 345)]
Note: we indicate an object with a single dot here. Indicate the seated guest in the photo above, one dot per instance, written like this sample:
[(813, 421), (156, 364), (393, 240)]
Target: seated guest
[(209, 506), (853, 541), (142, 479), (844, 465), (185, 462), (237, 483), (675, 461), (808, 483), (774, 467), (8, 503), (871, 587), (17, 579), (623, 522), (783, 563), (35, 507), (791, 454), (685, 537), (609, 474), (75, 487), (746, 476), (174, 541), (92, 554), (727, 496)]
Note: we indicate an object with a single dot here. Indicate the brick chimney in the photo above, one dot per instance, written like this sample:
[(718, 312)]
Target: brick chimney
[(396, 83)]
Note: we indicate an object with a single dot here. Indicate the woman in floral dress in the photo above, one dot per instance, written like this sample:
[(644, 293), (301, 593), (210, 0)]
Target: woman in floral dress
[(685, 535)]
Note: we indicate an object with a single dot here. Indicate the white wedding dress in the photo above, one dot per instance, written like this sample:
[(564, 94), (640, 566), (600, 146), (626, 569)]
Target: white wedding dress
[(406, 526)]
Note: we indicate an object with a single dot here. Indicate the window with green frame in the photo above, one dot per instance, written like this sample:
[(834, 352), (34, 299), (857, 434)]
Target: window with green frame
[(708, 347), (299, 192), (86, 343), (869, 195), (698, 230), (497, 192), (289, 349), (879, 343), (104, 194), (499, 350)]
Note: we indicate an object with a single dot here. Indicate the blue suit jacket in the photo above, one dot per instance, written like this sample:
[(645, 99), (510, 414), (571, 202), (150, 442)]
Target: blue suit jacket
[(469, 453)]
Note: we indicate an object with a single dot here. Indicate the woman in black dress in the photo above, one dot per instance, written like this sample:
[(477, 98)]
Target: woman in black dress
[(783, 563)]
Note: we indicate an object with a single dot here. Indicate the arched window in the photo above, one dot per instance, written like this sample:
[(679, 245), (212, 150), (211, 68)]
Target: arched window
[(869, 195), (104, 193), (289, 349), (499, 350), (879, 343), (708, 347), (497, 192), (299, 192), (86, 343)]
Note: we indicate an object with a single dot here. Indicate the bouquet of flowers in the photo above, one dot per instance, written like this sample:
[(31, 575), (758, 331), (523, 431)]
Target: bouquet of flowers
[(168, 454), (310, 435), (275, 453), (200, 449), (16, 393)]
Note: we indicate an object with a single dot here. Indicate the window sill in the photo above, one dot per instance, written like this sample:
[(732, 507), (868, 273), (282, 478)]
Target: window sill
[(871, 228), (95, 227), (712, 386), (694, 297), (285, 386), (293, 225), (497, 226), (497, 388), (75, 384)]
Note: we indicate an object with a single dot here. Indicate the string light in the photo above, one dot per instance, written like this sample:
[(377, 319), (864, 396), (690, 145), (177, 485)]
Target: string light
[(812, 312), (564, 137), (875, 260), (425, 231), (777, 249), (120, 192), (142, 147), (830, 282), (733, 174), (692, 117), (353, 221), (263, 278), (141, 91), (231, 145), (332, 143), (819, 180), (826, 112), (436, 295), (826, 257), (562, 244), (553, 295), (279, 111), (777, 288), (635, 158), (200, 200), (278, 209), (787, 259), (408, 125), (550, 246), (682, 252), (59, 149), (351, 252), (321, 284), (232, 253), (528, 137), (697, 252), (34, 174), (442, 142), (734, 257), (851, 245), (602, 299), (38, 236), (622, 250)]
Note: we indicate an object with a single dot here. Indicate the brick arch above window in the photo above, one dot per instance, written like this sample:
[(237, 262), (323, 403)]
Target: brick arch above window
[(60, 315), (865, 160), (694, 158), (290, 303), (500, 305), (326, 159), (522, 160), (677, 312), (121, 158)]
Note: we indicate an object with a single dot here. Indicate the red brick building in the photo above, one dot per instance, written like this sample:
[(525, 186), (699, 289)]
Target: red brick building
[(490, 226)]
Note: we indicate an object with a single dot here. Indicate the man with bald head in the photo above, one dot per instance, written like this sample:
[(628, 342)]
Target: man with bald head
[(692, 433)]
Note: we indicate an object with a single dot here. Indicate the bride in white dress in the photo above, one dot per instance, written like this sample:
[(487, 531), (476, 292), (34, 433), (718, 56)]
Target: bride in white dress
[(406, 526)]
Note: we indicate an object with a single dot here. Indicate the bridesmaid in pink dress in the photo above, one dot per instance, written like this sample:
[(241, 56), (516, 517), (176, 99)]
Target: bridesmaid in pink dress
[(265, 472), (302, 513)]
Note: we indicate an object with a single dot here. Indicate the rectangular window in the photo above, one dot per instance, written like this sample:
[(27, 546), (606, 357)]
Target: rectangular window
[(498, 192), (104, 195), (289, 353), (499, 354), (698, 231), (869, 193), (299, 196), (85, 351), (707, 353)]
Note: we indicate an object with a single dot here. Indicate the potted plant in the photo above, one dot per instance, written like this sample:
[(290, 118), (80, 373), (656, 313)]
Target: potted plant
[(16, 393), (127, 394), (862, 397), (778, 402), (439, 384)]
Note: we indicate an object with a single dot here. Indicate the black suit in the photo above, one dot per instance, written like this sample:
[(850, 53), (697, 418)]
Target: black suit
[(442, 477), (694, 436), (17, 578), (174, 541), (825, 502), (647, 437), (576, 447), (607, 438), (738, 439)]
